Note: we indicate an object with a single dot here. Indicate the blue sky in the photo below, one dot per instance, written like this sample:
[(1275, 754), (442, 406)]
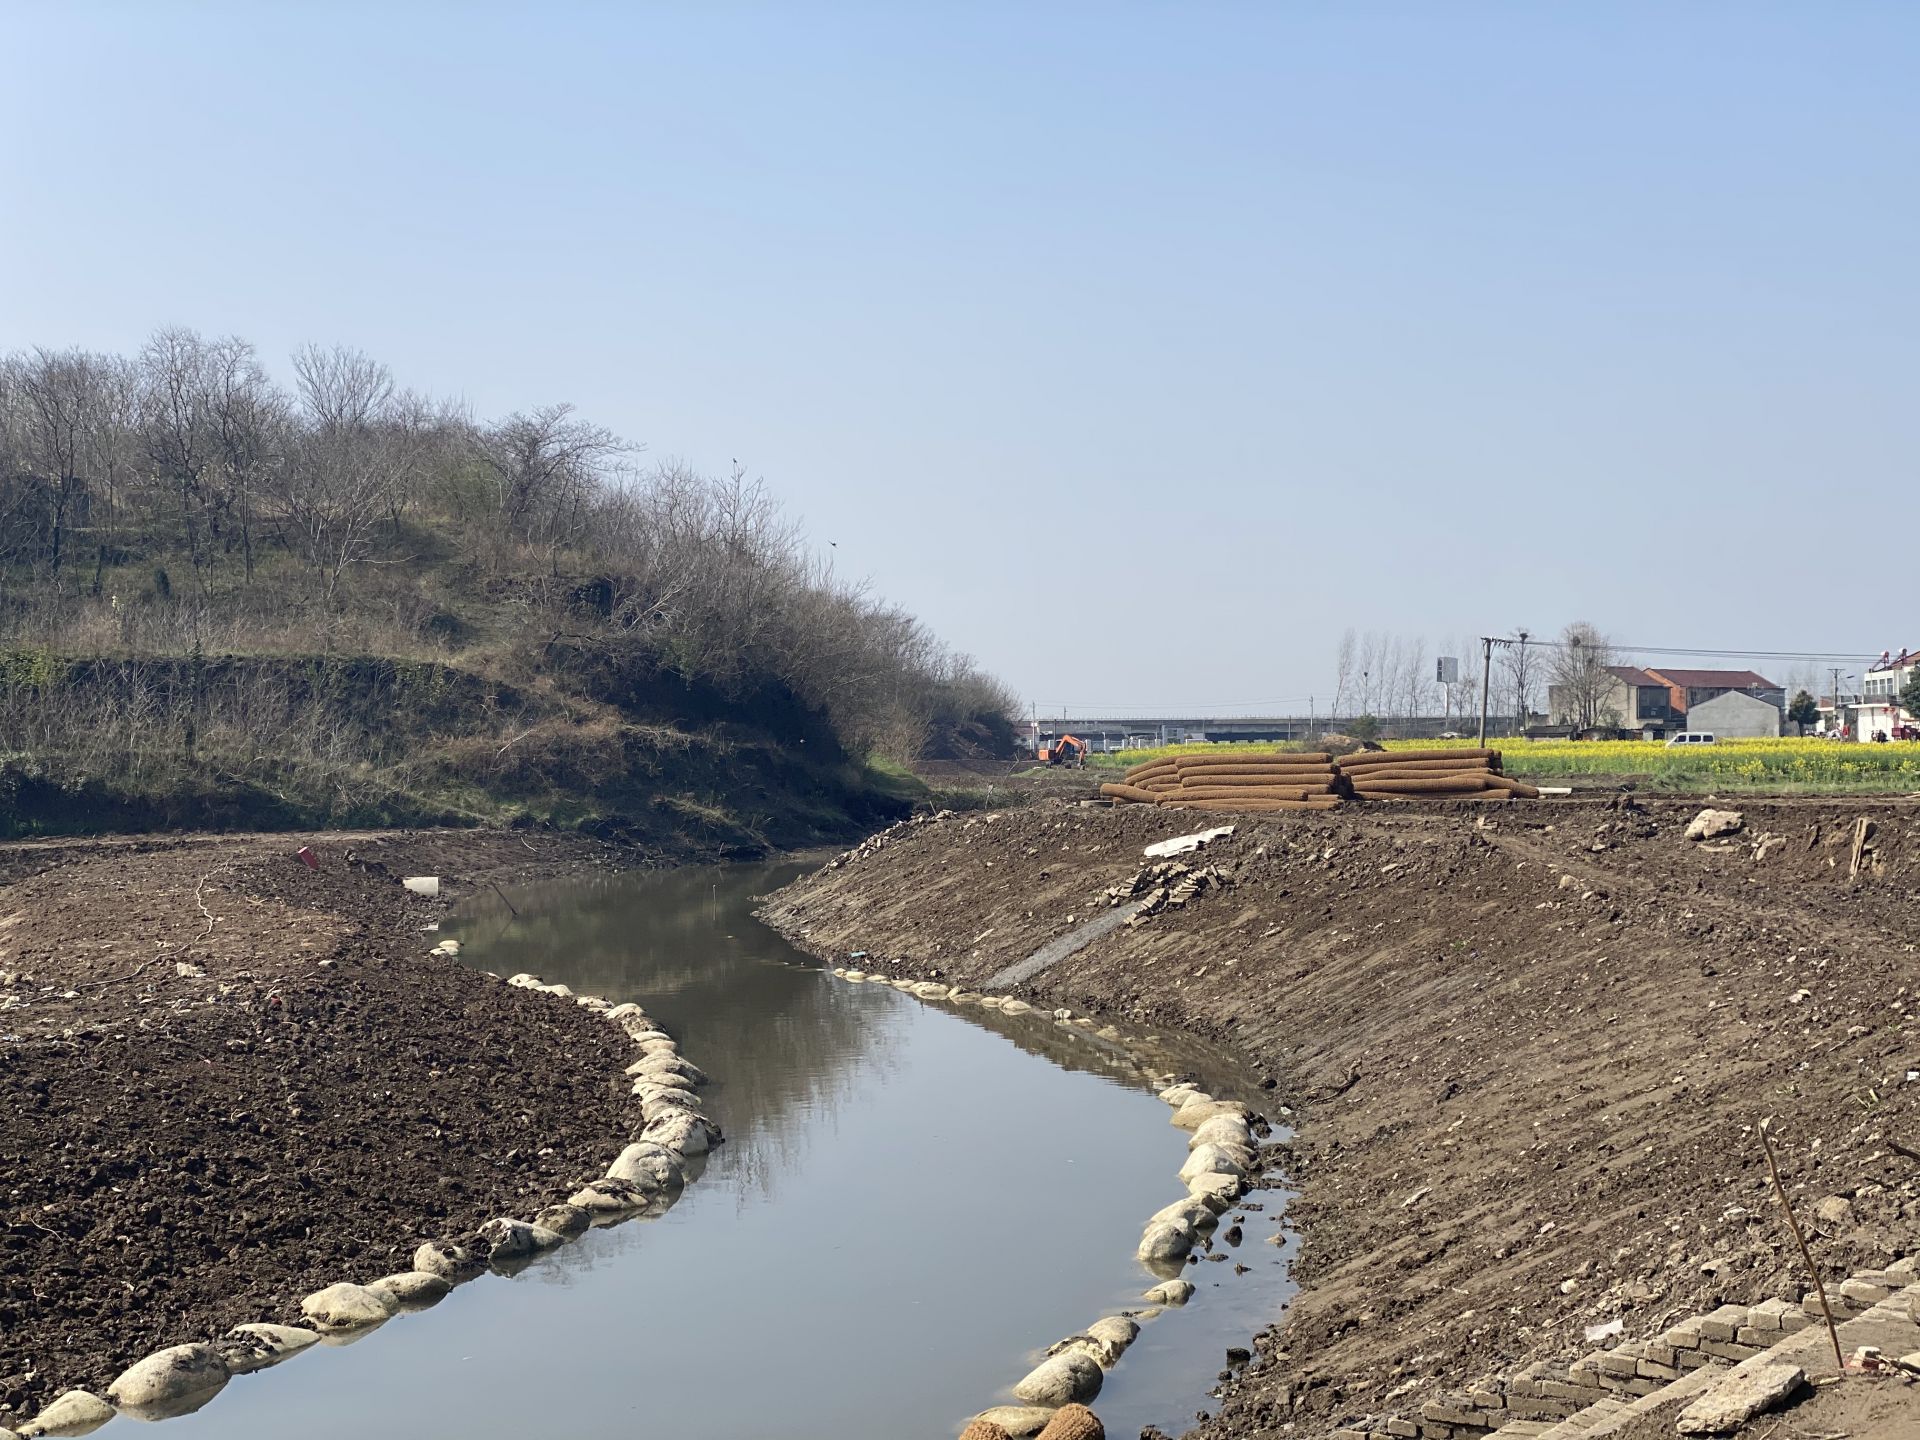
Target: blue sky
[(1140, 349)]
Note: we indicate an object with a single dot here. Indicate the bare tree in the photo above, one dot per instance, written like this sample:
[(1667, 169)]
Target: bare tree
[(1521, 664), (58, 388), (1343, 669), (358, 447), (545, 466), (175, 428), (1580, 673), (246, 417)]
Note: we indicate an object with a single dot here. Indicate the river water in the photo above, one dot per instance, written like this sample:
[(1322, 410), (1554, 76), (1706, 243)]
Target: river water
[(913, 1201)]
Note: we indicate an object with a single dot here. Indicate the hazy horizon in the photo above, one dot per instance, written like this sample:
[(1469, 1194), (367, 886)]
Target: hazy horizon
[(1141, 352)]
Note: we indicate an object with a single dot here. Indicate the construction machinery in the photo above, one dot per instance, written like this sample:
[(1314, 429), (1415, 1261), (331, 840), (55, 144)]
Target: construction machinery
[(1068, 750)]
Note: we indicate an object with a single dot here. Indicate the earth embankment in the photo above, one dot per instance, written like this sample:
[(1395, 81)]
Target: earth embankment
[(1529, 1049), (227, 1079)]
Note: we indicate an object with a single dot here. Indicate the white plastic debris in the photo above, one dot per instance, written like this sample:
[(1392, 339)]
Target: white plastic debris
[(427, 885), (1183, 844)]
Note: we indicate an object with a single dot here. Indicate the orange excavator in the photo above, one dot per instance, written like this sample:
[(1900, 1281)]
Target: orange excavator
[(1068, 750)]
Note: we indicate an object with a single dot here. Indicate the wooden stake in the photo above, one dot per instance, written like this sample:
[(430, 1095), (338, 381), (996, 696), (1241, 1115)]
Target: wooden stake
[(1861, 829), (1833, 1334)]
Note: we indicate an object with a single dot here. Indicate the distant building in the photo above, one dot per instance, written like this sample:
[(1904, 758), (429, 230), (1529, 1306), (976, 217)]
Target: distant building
[(1658, 703), (1878, 711), (1735, 715)]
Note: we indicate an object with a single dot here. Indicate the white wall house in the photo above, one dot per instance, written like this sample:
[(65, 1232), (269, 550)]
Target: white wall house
[(1878, 711), (1735, 715)]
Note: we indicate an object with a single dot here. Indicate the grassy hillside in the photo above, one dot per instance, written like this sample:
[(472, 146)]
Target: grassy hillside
[(226, 604)]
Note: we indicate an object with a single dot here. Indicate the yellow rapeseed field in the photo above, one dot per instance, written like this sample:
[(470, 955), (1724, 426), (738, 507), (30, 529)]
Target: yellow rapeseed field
[(1786, 765)]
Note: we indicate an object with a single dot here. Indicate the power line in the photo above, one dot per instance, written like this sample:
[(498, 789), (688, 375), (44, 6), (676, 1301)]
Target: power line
[(1849, 656), (1122, 711)]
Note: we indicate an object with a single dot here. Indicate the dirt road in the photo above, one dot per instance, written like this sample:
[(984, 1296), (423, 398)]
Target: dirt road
[(227, 1079), (1529, 1048)]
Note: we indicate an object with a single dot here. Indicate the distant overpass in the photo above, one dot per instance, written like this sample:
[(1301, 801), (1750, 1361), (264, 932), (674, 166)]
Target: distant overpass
[(1126, 732)]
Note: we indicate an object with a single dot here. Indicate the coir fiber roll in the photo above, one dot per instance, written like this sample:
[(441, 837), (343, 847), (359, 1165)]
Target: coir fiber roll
[(1152, 767), (1254, 757), (1375, 774), (1517, 788), (1437, 785), (1231, 807), (1210, 771), (1072, 1422), (1390, 757), (1432, 767), (1262, 778), (1132, 794), (1244, 792)]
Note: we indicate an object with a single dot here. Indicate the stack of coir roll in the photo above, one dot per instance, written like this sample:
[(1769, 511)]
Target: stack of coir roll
[(1451, 774), (1240, 780)]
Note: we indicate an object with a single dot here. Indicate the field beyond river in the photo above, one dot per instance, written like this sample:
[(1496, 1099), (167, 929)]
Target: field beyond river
[(1790, 765)]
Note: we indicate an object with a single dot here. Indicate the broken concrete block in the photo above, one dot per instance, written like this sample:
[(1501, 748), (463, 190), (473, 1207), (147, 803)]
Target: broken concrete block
[(1746, 1392)]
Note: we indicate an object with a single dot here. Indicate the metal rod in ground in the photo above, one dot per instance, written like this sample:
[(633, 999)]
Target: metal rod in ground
[(1833, 1334)]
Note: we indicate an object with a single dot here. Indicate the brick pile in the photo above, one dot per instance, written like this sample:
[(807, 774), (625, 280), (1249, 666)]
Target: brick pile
[(1537, 1399)]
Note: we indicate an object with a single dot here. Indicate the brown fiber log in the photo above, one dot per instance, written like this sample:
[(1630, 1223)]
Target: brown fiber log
[(984, 1430), (1431, 767), (1245, 792), (1374, 775), (1270, 778), (1212, 772), (1073, 1422), (1256, 757), (1437, 785), (1132, 794), (1231, 807), (1517, 788), (1401, 757), (1138, 773)]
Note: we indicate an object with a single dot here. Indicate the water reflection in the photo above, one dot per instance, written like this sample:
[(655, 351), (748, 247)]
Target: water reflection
[(908, 1209), (683, 944)]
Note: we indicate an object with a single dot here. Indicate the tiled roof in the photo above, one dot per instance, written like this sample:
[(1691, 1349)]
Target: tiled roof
[(1716, 680), (1629, 675)]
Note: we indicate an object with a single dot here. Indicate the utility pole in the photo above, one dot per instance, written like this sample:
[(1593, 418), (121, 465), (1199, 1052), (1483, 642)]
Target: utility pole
[(1486, 679), (1836, 695), (1520, 703), (1487, 642)]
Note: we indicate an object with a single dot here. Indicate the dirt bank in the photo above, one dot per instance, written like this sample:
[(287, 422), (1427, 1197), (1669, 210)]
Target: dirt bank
[(227, 1079), (1529, 1049)]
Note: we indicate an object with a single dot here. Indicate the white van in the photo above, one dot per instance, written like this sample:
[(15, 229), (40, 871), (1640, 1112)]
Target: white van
[(1690, 737)]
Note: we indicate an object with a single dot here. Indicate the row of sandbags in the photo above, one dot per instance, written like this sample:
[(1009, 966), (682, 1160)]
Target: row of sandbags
[(1452, 774), (1242, 781)]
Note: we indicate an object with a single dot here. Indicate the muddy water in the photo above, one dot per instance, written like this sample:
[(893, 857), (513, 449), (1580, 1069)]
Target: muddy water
[(914, 1200)]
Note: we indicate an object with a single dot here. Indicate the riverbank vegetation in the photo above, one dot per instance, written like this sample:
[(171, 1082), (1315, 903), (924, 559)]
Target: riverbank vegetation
[(228, 600)]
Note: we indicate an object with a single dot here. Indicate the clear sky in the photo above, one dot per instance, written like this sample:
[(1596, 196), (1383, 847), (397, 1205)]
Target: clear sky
[(1140, 349)]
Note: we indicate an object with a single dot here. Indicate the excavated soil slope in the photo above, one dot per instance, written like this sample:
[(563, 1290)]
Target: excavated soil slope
[(227, 1080), (1529, 1046)]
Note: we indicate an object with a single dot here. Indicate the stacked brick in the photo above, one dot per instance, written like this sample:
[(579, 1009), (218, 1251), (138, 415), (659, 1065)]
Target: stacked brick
[(1534, 1402), (1414, 774)]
